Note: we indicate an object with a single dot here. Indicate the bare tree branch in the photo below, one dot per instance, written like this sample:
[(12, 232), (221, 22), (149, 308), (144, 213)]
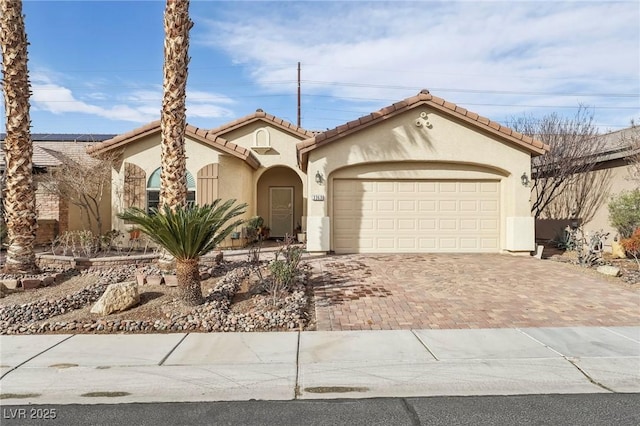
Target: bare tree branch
[(83, 183), (574, 143)]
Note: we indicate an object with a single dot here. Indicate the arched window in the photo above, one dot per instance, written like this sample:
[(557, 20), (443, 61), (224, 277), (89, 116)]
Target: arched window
[(153, 189)]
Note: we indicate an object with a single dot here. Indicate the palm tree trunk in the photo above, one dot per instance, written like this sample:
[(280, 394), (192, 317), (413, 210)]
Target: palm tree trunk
[(19, 191), (188, 277), (173, 178)]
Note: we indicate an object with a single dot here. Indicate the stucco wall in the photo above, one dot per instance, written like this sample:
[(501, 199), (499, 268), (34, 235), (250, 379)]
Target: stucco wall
[(397, 148), (280, 176), (235, 176), (620, 181)]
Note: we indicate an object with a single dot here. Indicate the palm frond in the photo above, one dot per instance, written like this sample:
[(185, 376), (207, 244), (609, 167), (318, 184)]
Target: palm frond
[(188, 232)]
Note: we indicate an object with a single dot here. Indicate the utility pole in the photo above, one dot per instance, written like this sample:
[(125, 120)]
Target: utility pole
[(299, 117)]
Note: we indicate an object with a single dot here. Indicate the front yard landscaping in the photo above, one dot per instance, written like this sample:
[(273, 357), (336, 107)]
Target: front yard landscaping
[(235, 300)]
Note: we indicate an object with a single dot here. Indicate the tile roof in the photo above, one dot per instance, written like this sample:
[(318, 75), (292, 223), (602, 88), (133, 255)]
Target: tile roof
[(423, 98), (202, 135), (53, 152), (261, 115), (66, 137)]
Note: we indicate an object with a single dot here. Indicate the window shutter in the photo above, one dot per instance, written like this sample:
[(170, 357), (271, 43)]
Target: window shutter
[(207, 187), (135, 186)]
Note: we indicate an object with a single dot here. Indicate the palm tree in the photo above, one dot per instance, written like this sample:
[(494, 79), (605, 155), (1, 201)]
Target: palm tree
[(173, 177), (19, 194), (188, 233)]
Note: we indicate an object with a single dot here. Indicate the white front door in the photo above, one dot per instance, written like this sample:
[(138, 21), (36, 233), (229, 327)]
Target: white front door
[(281, 211)]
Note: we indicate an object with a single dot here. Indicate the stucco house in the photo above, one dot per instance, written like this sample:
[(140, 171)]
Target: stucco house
[(615, 167), (421, 175), (57, 215)]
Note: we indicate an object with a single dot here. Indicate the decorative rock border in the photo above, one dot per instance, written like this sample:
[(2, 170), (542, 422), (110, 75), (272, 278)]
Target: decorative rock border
[(214, 315), (15, 282), (51, 261)]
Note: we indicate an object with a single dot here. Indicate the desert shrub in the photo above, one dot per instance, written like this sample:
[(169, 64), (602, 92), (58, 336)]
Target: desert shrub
[(632, 246), (588, 247), (76, 243), (283, 268), (624, 212), (253, 228), (564, 240)]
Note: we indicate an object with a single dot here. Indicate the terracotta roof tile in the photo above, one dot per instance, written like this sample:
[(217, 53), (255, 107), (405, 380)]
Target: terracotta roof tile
[(424, 97), (202, 135), (472, 115), (124, 138), (461, 110), (261, 115)]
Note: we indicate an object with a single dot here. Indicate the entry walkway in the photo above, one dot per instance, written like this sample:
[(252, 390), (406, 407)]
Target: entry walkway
[(451, 291), (65, 369)]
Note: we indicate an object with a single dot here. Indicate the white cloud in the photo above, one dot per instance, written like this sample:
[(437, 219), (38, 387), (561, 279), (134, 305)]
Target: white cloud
[(137, 106), (391, 50)]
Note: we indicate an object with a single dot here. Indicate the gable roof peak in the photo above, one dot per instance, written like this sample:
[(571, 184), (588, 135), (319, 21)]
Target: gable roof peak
[(424, 97)]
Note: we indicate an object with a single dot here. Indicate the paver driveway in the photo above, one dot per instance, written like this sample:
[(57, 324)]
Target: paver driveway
[(380, 292)]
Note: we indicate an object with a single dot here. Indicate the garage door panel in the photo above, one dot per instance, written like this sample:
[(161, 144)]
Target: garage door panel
[(445, 187), (427, 206), (448, 224), (415, 216), (406, 206), (469, 225), (407, 187), (385, 206), (468, 206), (385, 225), (468, 187), (448, 205)]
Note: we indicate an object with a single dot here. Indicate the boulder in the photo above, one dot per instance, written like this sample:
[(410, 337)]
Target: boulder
[(11, 284), (117, 297), (612, 271)]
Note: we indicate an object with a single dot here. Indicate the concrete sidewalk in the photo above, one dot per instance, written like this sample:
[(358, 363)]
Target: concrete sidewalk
[(65, 369)]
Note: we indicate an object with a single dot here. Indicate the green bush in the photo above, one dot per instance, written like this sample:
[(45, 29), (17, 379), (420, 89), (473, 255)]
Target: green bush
[(624, 212)]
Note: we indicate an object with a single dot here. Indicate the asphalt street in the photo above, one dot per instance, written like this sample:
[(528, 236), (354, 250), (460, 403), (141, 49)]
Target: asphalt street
[(582, 409)]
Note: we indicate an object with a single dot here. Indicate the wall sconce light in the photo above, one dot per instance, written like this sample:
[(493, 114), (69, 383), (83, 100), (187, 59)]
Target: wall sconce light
[(525, 179), (319, 178)]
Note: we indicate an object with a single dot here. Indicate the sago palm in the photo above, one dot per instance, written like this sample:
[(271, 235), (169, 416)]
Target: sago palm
[(188, 233)]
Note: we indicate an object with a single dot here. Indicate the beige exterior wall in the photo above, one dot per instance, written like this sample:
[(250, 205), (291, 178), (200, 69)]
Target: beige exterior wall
[(259, 135), (620, 181), (280, 177), (275, 148), (235, 176), (78, 219), (396, 148)]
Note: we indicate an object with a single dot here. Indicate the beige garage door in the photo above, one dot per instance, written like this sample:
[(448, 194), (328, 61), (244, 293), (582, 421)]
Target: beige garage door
[(392, 216)]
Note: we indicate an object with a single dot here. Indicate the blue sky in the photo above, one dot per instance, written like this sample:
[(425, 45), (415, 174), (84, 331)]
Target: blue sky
[(96, 66)]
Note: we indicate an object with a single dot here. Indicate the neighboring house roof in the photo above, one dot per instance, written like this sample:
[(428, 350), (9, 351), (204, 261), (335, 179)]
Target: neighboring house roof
[(619, 144), (423, 98), (202, 135), (260, 115), (54, 150), (66, 137)]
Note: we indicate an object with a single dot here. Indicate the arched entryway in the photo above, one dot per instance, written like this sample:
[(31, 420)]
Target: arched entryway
[(280, 200)]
